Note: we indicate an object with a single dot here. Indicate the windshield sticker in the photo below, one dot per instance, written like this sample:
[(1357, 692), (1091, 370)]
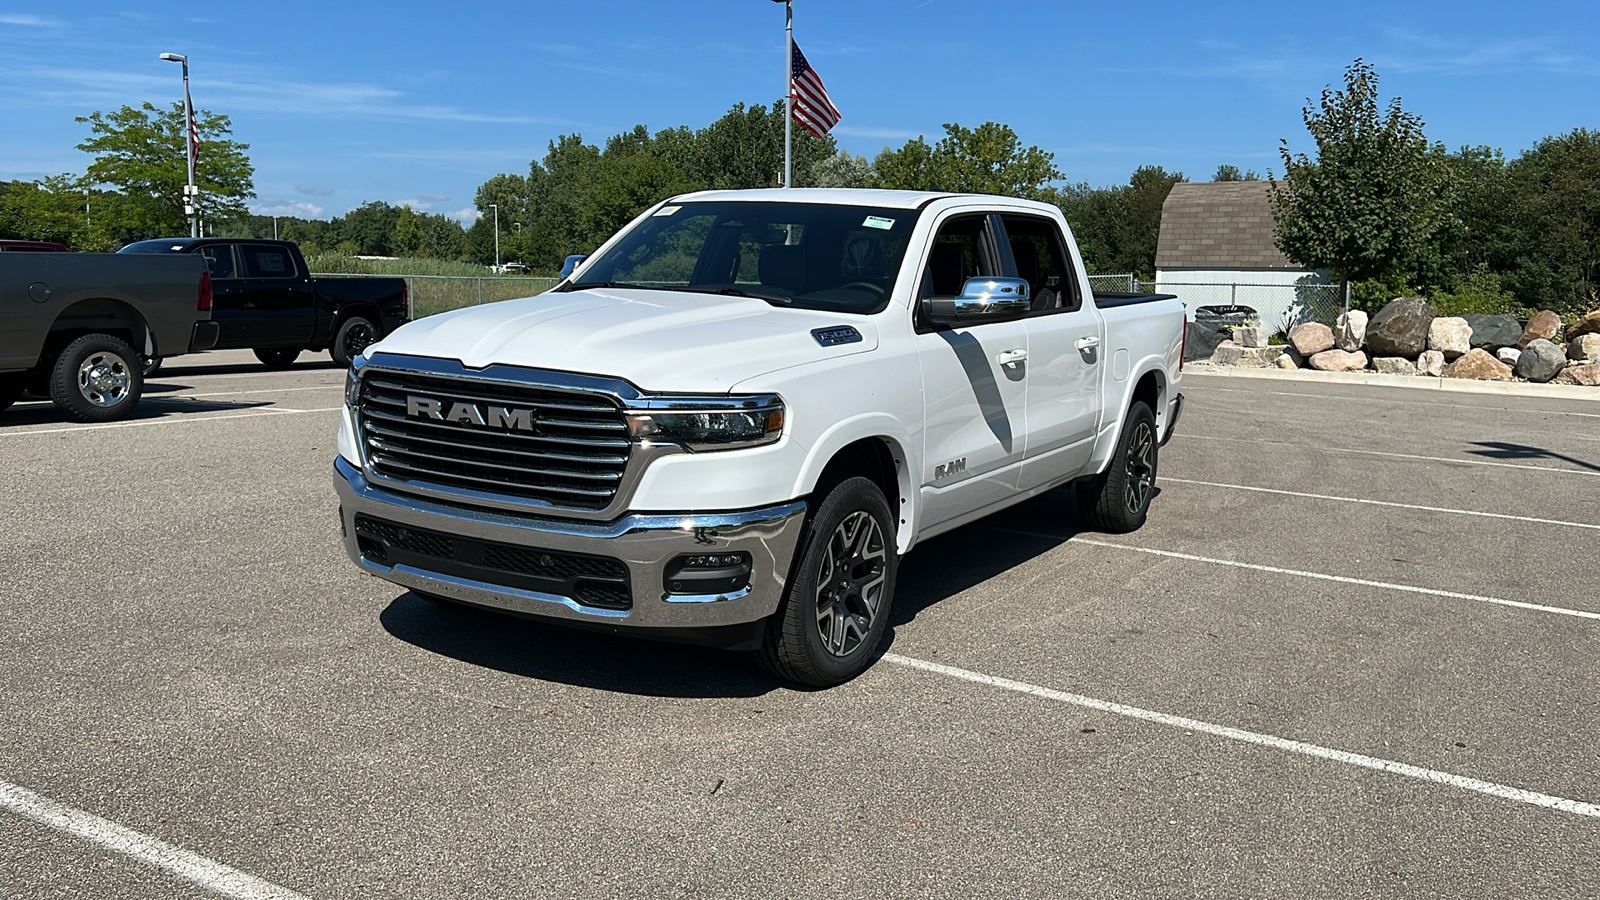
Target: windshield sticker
[(667, 210), (878, 222)]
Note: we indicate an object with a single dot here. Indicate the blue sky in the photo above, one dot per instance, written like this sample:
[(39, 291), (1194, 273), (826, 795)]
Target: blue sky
[(420, 102)]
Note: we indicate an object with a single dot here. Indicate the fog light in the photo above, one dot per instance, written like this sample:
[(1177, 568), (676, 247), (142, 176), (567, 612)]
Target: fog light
[(708, 573)]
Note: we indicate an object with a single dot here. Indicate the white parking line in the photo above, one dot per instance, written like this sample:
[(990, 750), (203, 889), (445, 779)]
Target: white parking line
[(1447, 459), (1502, 791), (320, 387), (192, 867), (1390, 398), (1437, 509), (256, 413), (1276, 570)]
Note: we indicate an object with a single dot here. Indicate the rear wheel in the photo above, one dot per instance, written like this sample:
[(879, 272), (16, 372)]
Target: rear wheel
[(277, 357), (1118, 499), (97, 378), (354, 336), (836, 607)]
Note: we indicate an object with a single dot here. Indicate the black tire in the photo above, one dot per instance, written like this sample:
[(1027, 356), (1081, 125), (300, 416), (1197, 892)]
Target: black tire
[(277, 357), (355, 334), (97, 378), (855, 609), (10, 388), (1118, 499)]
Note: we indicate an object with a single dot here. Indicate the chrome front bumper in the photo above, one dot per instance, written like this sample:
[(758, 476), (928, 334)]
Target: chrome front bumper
[(644, 543)]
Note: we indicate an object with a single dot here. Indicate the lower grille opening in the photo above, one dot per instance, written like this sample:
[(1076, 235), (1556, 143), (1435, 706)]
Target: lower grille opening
[(596, 581)]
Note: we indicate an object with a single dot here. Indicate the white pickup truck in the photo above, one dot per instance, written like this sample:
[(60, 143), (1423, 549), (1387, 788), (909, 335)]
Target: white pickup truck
[(729, 424)]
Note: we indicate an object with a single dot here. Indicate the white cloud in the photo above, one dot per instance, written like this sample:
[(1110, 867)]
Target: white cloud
[(432, 198), (466, 216), (273, 206), (315, 190), (27, 20), (886, 133)]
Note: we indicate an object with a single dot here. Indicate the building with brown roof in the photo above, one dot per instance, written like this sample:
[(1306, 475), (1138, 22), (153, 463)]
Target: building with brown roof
[(1216, 249)]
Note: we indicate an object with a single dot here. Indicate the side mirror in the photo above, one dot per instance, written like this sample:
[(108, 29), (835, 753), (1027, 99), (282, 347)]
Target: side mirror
[(983, 299), (571, 263)]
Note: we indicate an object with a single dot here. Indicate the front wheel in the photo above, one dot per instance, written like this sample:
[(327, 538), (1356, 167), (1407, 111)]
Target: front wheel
[(97, 378), (354, 336), (836, 607), (1118, 499), (277, 357)]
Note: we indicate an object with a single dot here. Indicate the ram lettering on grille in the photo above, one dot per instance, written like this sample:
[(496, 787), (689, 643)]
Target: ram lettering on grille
[(470, 414)]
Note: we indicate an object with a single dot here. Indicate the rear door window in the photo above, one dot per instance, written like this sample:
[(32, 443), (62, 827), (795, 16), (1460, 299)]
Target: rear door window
[(261, 261), (219, 259), (1041, 258)]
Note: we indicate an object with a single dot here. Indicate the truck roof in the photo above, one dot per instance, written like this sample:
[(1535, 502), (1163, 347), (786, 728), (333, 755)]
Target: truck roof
[(851, 197)]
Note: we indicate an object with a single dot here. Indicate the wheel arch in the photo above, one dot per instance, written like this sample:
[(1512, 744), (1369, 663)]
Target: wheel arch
[(873, 447), (100, 315), (1149, 385)]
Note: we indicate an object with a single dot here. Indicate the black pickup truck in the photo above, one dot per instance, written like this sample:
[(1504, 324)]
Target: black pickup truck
[(265, 299)]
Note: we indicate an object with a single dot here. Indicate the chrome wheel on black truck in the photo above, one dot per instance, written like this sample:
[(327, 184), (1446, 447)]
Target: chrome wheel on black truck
[(836, 607), (97, 378), (1119, 499)]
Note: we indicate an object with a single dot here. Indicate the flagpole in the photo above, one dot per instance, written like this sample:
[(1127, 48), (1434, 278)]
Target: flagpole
[(788, 93)]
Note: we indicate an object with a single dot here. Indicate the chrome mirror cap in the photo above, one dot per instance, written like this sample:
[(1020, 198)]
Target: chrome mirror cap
[(984, 299)]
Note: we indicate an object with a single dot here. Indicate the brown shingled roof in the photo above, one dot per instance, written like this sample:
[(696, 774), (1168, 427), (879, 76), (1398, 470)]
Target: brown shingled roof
[(1218, 225)]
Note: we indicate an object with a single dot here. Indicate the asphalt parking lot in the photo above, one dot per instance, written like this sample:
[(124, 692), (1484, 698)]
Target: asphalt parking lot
[(1353, 654)]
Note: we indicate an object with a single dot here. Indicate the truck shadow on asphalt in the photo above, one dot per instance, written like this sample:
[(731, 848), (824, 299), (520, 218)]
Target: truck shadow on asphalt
[(43, 412), (936, 570), (247, 368), (1503, 450)]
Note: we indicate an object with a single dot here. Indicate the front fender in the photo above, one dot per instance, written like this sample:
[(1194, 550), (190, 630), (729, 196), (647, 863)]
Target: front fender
[(868, 426)]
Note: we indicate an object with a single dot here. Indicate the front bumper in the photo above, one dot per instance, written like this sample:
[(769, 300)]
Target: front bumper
[(643, 543)]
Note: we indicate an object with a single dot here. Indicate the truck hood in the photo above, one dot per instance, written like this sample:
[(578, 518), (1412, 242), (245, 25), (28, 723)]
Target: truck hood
[(658, 340)]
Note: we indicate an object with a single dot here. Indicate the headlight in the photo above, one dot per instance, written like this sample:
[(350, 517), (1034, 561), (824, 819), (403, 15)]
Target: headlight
[(352, 388), (721, 423)]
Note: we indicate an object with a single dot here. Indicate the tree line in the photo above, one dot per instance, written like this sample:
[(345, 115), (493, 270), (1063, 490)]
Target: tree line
[(1373, 201)]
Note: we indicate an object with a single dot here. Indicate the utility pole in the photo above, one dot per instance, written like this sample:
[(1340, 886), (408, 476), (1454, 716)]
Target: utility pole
[(788, 92), (274, 227), (496, 208), (190, 193)]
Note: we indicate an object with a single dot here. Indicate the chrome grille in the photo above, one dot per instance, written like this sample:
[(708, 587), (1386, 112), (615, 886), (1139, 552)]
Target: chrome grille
[(574, 457)]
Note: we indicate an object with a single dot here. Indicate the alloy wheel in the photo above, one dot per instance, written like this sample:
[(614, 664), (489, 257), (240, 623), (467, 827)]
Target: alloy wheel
[(1141, 467), (850, 583), (104, 379)]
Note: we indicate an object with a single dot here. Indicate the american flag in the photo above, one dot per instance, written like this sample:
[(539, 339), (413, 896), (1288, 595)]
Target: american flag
[(812, 108)]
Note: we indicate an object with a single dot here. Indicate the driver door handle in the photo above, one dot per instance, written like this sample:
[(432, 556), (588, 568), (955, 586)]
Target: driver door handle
[(1086, 343), (1012, 357)]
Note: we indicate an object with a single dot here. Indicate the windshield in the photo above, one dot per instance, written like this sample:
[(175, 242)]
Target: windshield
[(165, 245), (805, 255)]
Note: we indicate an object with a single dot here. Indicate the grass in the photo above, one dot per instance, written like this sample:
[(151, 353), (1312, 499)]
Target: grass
[(437, 285)]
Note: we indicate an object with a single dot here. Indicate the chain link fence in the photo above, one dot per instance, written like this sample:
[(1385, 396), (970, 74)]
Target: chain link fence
[(433, 294), (1279, 307)]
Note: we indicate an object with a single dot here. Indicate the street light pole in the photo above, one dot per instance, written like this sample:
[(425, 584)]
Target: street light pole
[(190, 195), (496, 208)]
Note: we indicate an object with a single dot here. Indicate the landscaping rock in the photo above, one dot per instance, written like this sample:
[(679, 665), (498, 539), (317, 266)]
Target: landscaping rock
[(1401, 328), (1477, 365), (1394, 365), (1258, 357), (1544, 326), (1351, 330), (1584, 348), (1339, 361), (1430, 362), (1540, 361), (1251, 337), (1286, 361), (1508, 355), (1450, 335), (1588, 376), (1589, 324), (1311, 338), (1493, 332)]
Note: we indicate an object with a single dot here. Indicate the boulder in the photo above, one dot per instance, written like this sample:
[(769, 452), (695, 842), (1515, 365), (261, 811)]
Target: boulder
[(1311, 338), (1401, 328), (1589, 324), (1351, 330), (1251, 337), (1477, 365), (1286, 361), (1233, 355), (1540, 361), (1585, 375), (1544, 326), (1430, 362), (1508, 355), (1584, 348), (1394, 365), (1339, 361), (1450, 335), (1493, 332)]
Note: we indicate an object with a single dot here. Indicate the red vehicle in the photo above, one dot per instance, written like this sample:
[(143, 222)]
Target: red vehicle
[(35, 246)]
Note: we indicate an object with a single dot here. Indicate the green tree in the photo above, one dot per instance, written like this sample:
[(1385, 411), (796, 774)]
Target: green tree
[(140, 152), (1375, 196), (989, 159), (1547, 241), (369, 228), (1226, 172), (844, 170), (1117, 228), (407, 233)]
